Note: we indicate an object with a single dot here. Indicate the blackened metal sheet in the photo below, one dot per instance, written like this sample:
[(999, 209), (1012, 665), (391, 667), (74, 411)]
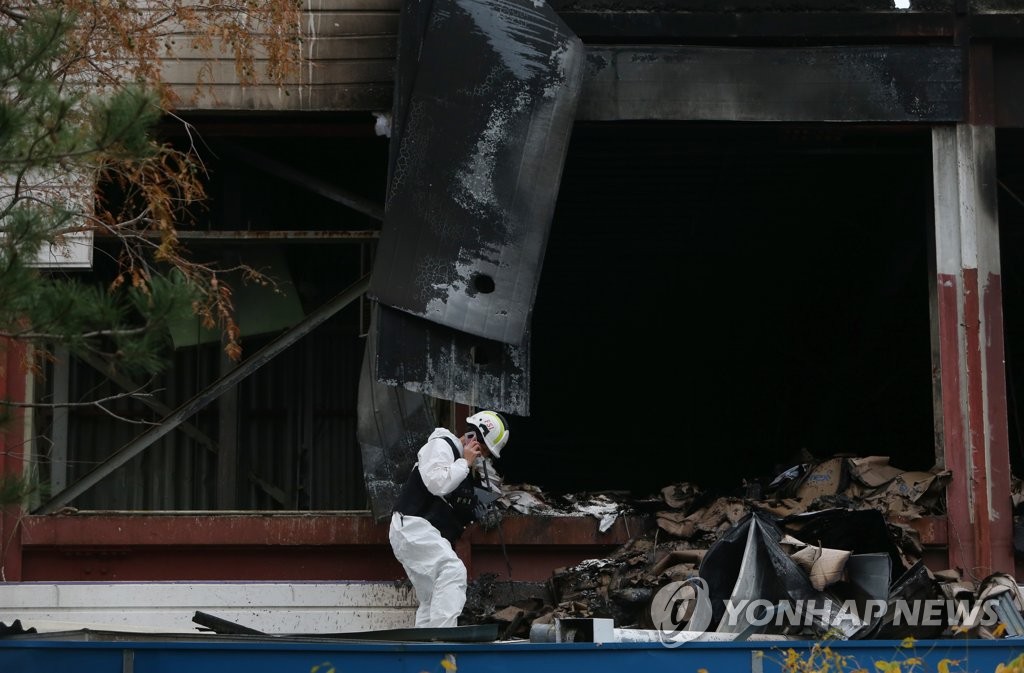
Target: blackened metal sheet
[(857, 83), (392, 426), (482, 142), (411, 29), (452, 365)]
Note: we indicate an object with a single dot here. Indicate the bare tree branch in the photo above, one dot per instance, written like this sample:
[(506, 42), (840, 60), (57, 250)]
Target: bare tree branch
[(99, 404)]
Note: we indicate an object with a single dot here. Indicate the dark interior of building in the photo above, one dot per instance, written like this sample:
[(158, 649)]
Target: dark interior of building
[(716, 303), (1010, 145), (716, 300)]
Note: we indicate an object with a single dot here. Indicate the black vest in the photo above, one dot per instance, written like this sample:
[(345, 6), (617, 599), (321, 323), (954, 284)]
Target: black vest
[(449, 514)]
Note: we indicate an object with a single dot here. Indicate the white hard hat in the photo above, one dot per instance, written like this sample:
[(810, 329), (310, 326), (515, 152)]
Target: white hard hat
[(492, 428)]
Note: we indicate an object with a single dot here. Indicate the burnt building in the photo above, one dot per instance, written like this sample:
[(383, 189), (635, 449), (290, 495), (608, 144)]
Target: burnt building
[(687, 241)]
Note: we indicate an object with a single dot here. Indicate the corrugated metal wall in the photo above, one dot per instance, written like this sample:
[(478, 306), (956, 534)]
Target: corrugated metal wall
[(297, 424), (296, 431), (294, 437)]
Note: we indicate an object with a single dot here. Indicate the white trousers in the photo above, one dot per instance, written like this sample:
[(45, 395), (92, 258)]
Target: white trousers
[(436, 572)]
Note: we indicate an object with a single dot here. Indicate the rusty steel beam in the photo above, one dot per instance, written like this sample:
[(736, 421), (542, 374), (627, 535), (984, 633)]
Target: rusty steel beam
[(554, 531), (313, 546), (201, 529), (13, 387), (294, 546), (971, 379), (146, 529), (206, 396)]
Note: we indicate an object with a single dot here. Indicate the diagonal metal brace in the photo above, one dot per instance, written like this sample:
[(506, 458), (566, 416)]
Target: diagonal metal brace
[(206, 396)]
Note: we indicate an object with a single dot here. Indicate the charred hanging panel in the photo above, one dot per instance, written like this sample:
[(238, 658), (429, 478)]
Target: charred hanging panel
[(485, 98), (411, 29), (453, 365), (483, 139), (392, 425)]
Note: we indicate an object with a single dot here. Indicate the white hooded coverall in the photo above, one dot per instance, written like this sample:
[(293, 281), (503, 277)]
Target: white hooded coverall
[(437, 574)]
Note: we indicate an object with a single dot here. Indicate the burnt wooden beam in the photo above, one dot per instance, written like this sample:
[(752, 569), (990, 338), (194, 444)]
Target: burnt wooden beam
[(810, 84)]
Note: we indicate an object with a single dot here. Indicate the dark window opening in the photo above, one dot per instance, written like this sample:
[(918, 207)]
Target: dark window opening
[(1010, 195), (716, 299)]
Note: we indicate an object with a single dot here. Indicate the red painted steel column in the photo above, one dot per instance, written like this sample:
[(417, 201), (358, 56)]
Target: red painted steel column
[(972, 377), (12, 438)]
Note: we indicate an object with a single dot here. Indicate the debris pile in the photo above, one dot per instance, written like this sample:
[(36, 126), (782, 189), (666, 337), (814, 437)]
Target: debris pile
[(528, 499), (833, 532)]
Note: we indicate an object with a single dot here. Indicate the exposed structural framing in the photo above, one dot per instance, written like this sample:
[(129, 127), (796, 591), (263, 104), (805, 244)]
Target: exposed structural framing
[(206, 396), (970, 325), (304, 180)]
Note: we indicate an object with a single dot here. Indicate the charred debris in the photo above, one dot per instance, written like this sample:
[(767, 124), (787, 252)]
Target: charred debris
[(836, 532)]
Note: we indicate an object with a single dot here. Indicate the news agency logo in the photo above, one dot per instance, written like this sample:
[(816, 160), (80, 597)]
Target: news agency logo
[(682, 611)]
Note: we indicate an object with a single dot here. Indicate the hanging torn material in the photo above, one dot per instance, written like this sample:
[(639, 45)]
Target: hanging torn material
[(479, 162), (435, 360), (392, 425), (485, 101), (756, 587)]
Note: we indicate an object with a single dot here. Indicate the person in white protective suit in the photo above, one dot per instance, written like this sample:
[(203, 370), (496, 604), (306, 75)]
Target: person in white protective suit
[(437, 502)]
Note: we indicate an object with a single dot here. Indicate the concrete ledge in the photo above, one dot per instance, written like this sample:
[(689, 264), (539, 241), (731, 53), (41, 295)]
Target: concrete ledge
[(168, 607)]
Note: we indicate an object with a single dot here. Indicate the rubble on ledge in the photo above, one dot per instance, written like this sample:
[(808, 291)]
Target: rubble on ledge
[(834, 529)]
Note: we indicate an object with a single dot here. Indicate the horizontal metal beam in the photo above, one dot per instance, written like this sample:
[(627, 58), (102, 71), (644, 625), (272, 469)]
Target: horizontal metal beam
[(292, 546), (294, 529), (671, 25), (206, 396), (852, 83), (303, 180), (331, 236)]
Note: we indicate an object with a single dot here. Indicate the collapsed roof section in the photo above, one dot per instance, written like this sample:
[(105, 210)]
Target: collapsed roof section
[(483, 112)]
